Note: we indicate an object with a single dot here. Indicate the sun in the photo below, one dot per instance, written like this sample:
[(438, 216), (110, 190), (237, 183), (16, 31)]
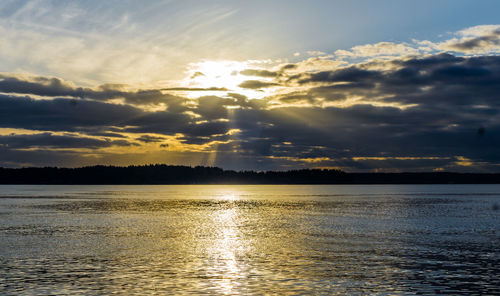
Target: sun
[(218, 74), (223, 75)]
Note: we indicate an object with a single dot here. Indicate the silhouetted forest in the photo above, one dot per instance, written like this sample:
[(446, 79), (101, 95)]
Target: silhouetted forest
[(167, 174)]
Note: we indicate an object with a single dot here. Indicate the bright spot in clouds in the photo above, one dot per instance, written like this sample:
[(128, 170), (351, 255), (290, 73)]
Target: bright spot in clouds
[(217, 73), (223, 75)]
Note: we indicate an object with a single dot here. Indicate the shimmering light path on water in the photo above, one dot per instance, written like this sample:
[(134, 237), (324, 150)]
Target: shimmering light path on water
[(244, 240)]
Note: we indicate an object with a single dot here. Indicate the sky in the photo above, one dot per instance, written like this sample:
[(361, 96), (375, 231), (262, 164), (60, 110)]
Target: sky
[(360, 86)]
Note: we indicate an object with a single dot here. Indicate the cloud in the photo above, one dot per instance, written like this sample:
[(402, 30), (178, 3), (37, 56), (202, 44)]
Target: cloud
[(212, 107), (150, 139), (351, 74), (256, 84), (52, 141), (449, 99), (195, 89), (378, 50), (316, 53), (482, 44), (483, 39), (62, 114), (56, 87), (197, 74), (41, 86), (259, 73), (288, 67), (418, 110)]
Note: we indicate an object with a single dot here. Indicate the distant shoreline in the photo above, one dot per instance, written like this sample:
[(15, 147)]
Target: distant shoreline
[(184, 175)]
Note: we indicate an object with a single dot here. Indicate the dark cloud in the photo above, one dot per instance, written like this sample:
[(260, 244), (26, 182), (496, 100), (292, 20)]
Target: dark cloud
[(197, 74), (441, 80), (481, 131), (288, 67), (40, 86), (481, 42), (343, 133), (63, 114), (54, 87), (150, 139), (351, 74), (259, 73), (106, 134), (161, 122), (206, 129), (51, 141), (256, 84), (432, 112), (212, 107), (443, 123), (195, 89), (109, 120)]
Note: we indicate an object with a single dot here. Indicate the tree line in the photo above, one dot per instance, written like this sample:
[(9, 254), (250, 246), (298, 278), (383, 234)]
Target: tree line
[(169, 174)]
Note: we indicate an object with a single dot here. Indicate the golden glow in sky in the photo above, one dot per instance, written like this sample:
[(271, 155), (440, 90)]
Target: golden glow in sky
[(230, 84), (222, 75)]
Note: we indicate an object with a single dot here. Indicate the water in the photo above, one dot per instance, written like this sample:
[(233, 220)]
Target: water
[(245, 240)]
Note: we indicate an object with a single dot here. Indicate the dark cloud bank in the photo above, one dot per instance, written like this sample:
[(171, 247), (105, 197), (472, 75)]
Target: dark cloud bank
[(431, 113)]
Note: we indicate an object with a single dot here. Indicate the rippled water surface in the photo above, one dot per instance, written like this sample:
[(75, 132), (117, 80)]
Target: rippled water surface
[(249, 240)]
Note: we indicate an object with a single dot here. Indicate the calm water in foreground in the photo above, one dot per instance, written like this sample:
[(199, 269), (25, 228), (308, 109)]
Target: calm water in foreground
[(244, 240)]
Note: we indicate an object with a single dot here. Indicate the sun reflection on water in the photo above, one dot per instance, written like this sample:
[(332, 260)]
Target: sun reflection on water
[(229, 195), (226, 243), (224, 247)]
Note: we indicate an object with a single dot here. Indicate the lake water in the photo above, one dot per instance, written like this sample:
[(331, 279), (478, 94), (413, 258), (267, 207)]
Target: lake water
[(250, 240)]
